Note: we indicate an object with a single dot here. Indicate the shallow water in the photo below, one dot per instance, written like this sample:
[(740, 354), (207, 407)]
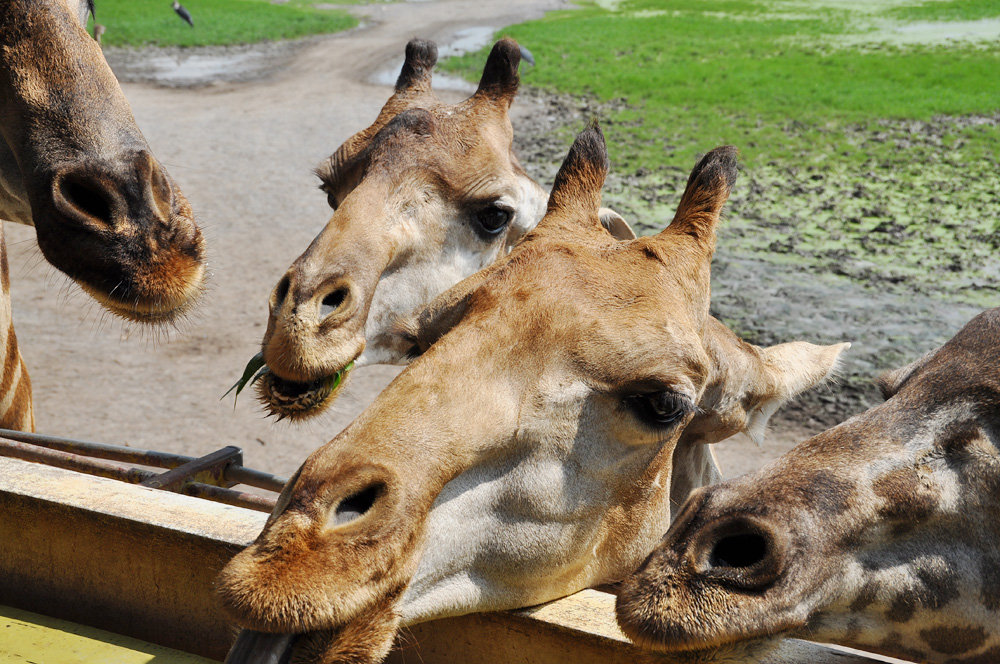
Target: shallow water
[(927, 33), (466, 40)]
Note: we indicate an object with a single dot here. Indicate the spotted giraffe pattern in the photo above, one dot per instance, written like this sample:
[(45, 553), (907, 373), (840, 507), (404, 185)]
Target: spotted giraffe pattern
[(16, 410), (880, 534), (74, 165)]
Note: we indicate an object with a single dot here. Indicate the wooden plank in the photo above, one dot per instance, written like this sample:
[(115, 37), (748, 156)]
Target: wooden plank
[(116, 556)]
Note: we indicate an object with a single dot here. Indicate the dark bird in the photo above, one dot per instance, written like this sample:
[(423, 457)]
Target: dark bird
[(527, 56), (183, 13)]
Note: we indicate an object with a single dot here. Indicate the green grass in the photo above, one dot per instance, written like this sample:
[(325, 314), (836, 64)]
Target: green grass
[(216, 22), (862, 155), (776, 79)]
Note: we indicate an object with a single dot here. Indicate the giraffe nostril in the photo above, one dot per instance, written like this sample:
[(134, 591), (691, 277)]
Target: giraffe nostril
[(739, 551), (88, 198), (357, 504), (333, 302), (280, 293)]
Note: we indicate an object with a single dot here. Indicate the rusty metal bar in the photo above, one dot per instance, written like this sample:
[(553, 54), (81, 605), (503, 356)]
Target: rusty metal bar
[(99, 450), (230, 497), (68, 461), (81, 464), (120, 453), (211, 466)]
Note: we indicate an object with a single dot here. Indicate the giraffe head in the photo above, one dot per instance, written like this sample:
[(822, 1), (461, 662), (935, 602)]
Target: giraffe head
[(880, 533), (560, 396), (74, 165), (424, 197)]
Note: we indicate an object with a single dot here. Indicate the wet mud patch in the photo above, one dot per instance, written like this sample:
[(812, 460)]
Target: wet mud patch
[(199, 66), (894, 253)]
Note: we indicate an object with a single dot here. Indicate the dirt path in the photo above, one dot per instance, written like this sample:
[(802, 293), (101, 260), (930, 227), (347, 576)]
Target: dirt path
[(242, 152)]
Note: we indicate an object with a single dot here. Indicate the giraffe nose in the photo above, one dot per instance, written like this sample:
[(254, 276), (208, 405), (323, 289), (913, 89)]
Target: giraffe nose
[(86, 198), (741, 551), (103, 195), (336, 300), (331, 303)]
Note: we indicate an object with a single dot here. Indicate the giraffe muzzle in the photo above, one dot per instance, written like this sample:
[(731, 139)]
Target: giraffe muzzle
[(122, 230)]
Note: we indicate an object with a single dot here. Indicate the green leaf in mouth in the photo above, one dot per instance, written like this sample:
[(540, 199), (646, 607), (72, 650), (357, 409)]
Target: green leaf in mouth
[(255, 370)]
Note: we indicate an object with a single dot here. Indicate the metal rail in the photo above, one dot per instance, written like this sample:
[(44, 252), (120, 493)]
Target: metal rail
[(208, 477)]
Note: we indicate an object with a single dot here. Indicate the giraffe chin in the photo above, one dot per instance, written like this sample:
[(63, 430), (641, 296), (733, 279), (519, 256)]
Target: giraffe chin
[(150, 311), (366, 639), (299, 401)]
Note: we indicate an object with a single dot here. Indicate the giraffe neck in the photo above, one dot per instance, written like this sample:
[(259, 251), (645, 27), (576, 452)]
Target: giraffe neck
[(16, 410), (923, 581)]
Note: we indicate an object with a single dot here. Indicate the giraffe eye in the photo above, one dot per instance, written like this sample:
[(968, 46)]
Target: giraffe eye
[(490, 221), (659, 409), (332, 201)]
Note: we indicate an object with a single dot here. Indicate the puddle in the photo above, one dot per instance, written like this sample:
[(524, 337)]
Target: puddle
[(466, 40), (929, 33), (194, 67)]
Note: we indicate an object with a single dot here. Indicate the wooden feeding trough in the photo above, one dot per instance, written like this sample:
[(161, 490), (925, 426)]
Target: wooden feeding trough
[(114, 551)]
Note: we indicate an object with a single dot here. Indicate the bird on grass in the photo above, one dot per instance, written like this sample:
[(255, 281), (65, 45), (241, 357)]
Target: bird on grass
[(183, 13), (527, 56)]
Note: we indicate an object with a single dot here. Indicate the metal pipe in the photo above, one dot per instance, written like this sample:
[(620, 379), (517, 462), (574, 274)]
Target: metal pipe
[(68, 461), (230, 497), (236, 474), (74, 462), (99, 450)]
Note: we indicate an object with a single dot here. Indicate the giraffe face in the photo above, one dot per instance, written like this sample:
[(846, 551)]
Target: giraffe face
[(530, 450), (878, 534), (74, 165), (426, 196)]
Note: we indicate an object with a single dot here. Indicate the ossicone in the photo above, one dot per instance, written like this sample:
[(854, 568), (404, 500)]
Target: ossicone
[(500, 78), (421, 56), (578, 184), (707, 191)]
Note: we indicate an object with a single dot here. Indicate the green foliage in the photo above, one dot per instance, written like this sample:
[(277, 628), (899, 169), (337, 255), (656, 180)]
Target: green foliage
[(216, 22), (696, 75)]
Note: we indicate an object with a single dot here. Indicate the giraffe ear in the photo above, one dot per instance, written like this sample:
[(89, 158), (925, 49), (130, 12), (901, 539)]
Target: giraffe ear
[(788, 370), (415, 76), (748, 383), (615, 224), (424, 328), (500, 78), (891, 382)]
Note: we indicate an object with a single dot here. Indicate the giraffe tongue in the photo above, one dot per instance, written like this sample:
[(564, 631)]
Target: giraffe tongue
[(260, 648)]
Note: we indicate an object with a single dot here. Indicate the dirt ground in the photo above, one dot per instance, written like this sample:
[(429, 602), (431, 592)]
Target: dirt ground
[(242, 151)]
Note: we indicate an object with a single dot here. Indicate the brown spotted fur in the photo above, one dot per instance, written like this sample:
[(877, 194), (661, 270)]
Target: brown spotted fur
[(569, 305), (74, 165), (895, 550)]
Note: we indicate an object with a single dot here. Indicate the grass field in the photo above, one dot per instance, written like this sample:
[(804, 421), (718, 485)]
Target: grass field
[(216, 22), (868, 206), (871, 154), (774, 77)]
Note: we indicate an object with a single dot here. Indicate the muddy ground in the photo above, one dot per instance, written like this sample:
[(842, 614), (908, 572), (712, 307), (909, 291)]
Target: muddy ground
[(894, 255), (240, 129)]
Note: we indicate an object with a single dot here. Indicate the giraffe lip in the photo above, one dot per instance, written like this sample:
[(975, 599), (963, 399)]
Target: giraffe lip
[(149, 312), (299, 400)]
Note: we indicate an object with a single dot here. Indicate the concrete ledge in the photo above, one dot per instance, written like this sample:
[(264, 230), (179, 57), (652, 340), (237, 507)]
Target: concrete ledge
[(31, 637), (116, 556), (142, 563)]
